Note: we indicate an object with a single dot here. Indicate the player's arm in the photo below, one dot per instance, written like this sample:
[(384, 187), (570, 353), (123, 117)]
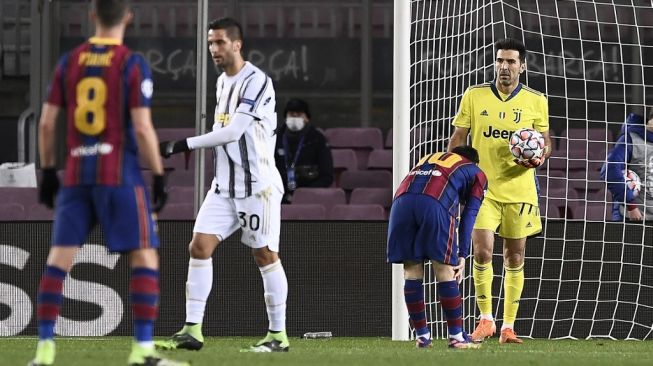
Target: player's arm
[(468, 216), (614, 168), (47, 131), (462, 122), (458, 138), (148, 146)]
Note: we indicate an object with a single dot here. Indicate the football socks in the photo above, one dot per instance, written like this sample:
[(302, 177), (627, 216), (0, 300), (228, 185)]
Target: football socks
[(198, 288), (275, 287), (483, 274), (513, 286), (414, 296)]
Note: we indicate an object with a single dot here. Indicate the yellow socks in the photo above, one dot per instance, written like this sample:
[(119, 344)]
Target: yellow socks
[(483, 274), (513, 286)]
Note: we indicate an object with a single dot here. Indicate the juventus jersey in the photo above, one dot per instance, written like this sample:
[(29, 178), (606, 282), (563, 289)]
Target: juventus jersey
[(246, 166)]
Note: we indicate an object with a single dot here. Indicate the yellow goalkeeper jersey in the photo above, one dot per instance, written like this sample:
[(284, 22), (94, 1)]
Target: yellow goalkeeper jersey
[(491, 118)]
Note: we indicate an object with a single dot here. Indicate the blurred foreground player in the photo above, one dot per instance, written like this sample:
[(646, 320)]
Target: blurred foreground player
[(105, 92), (423, 228)]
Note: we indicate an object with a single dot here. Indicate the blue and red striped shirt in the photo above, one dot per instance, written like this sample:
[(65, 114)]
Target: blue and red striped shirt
[(452, 180), (98, 83)]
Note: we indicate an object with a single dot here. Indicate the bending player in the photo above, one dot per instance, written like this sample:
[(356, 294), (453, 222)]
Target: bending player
[(423, 227), (491, 111)]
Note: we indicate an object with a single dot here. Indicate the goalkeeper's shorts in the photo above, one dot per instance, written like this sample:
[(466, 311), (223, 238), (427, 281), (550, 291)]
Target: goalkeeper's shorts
[(420, 229), (510, 220)]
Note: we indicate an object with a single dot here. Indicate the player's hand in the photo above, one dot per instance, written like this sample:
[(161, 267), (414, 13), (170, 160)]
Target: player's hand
[(634, 213), (459, 270), (530, 163), (168, 148), (49, 187), (159, 192)]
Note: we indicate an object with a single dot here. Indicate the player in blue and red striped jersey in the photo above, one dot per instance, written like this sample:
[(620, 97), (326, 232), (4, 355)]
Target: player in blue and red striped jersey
[(423, 228), (104, 90)]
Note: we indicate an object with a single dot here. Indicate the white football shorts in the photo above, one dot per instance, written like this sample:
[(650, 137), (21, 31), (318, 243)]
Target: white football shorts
[(258, 215)]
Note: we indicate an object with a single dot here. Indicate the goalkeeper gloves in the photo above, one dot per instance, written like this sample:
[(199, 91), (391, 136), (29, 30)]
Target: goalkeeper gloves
[(49, 187), (530, 163), (159, 192), (168, 148)]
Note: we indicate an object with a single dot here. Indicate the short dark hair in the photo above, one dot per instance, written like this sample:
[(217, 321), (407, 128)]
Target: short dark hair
[(511, 44), (110, 12), (466, 151), (230, 25), (297, 105)]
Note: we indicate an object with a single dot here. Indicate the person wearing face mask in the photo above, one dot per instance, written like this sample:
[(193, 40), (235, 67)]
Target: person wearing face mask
[(302, 153), (633, 151)]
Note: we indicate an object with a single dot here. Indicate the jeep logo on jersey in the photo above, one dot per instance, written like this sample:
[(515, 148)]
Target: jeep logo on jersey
[(497, 134), (435, 173)]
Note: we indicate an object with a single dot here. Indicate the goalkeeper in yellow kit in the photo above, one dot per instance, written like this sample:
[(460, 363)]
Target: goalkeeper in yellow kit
[(490, 112)]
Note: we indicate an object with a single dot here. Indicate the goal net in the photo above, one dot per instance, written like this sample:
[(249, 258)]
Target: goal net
[(586, 275)]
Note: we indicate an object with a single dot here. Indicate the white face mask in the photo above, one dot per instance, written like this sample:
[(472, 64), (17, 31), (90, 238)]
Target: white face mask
[(295, 123)]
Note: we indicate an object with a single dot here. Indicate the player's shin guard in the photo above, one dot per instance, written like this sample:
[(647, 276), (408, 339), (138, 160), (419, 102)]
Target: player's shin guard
[(452, 305), (483, 274), (50, 298), (275, 286), (144, 296), (414, 296), (198, 288), (513, 286)]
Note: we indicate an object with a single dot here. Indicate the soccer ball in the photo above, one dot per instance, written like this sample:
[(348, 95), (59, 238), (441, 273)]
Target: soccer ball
[(632, 181), (526, 144)]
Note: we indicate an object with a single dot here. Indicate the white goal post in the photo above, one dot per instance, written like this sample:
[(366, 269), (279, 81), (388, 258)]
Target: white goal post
[(586, 276)]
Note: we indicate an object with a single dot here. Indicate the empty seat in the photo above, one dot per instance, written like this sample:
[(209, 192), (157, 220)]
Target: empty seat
[(417, 134), (323, 196), (357, 212), (380, 159), (24, 196), (378, 196), (12, 212), (38, 212), (178, 211), (366, 179), (598, 211), (588, 134), (181, 177), (298, 211), (361, 139), (181, 194), (344, 159)]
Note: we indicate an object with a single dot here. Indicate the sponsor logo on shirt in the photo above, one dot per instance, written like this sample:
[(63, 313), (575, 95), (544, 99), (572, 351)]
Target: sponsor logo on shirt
[(497, 134), (435, 173), (100, 148)]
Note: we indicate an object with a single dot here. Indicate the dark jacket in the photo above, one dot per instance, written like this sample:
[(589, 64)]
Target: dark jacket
[(630, 153), (314, 166)]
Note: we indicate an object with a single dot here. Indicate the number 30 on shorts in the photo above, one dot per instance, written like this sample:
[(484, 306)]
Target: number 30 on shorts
[(90, 116), (253, 223)]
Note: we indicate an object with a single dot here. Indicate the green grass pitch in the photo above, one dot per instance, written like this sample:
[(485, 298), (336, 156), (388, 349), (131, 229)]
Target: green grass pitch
[(107, 351)]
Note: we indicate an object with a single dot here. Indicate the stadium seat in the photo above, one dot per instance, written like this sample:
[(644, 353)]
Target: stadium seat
[(416, 134), (323, 196), (181, 177), (380, 159), (343, 160), (357, 212), (178, 211), (587, 134), (378, 196), (24, 196), (181, 194), (361, 139), (38, 212), (599, 211), (12, 212), (298, 211), (366, 179)]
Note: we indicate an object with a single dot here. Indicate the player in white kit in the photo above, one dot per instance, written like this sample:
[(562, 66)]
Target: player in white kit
[(246, 191)]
